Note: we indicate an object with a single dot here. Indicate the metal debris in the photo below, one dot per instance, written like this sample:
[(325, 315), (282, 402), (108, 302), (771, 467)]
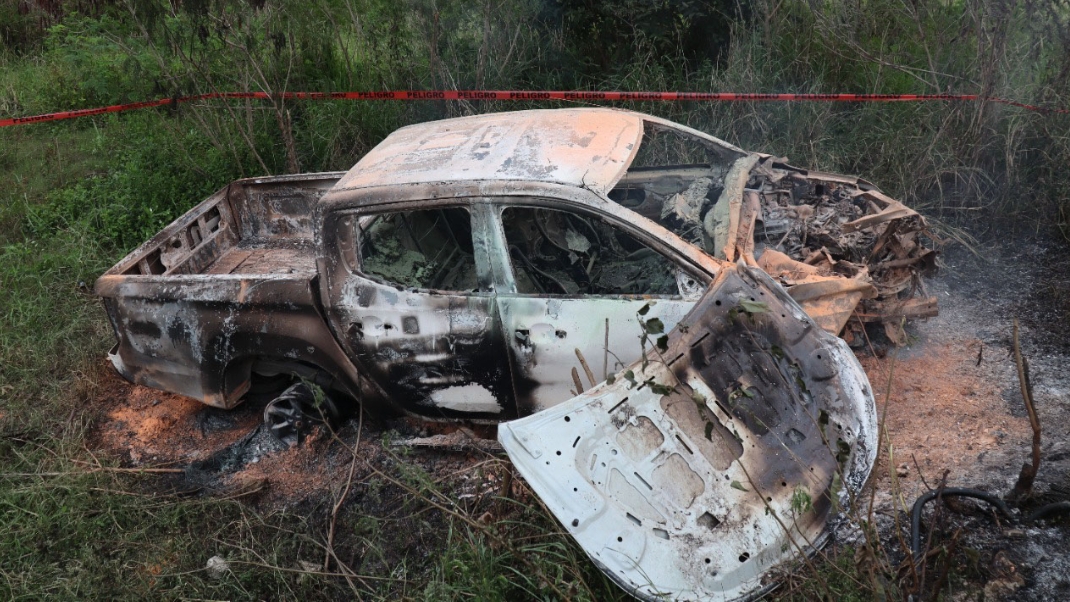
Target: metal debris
[(840, 246)]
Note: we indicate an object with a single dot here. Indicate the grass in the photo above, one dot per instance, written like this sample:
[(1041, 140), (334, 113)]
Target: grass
[(79, 194), (99, 535), (46, 320)]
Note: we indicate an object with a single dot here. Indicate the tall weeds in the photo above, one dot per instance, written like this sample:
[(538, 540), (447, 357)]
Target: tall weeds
[(954, 157)]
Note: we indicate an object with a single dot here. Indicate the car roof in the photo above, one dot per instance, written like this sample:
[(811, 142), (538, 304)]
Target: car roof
[(589, 147)]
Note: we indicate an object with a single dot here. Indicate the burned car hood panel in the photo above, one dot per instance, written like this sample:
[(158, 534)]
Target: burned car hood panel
[(724, 456)]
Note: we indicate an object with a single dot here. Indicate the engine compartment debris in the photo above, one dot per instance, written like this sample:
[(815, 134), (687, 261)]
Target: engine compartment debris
[(841, 247)]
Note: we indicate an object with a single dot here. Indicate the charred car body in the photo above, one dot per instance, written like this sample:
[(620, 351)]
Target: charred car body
[(486, 268)]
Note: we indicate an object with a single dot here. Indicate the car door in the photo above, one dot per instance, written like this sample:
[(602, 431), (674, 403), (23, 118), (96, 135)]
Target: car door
[(691, 491), (577, 289), (414, 308)]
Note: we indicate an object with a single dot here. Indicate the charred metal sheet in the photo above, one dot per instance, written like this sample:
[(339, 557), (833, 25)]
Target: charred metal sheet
[(436, 353), (829, 300), (692, 476), (227, 285), (845, 229), (721, 222), (201, 336), (449, 361), (581, 147)]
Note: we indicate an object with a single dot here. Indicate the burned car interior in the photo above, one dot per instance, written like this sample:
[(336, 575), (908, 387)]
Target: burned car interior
[(657, 321), (559, 252), (674, 179), (430, 249)]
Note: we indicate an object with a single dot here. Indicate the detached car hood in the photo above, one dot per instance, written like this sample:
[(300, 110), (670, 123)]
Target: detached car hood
[(727, 453)]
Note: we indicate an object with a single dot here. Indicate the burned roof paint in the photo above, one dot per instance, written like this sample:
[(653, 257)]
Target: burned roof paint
[(579, 147)]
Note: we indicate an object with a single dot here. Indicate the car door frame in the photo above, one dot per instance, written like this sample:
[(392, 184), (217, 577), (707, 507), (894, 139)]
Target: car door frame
[(348, 286), (649, 233)]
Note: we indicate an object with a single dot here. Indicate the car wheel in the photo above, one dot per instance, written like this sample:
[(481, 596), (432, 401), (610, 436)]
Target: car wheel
[(291, 415)]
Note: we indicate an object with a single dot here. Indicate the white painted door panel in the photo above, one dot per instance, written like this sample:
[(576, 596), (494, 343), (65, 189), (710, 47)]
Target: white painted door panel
[(697, 493), (544, 334)]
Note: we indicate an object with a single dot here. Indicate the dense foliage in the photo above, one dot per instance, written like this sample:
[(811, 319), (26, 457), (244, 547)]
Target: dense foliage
[(79, 194)]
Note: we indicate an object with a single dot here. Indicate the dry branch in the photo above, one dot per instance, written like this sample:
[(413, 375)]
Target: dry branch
[(1023, 488)]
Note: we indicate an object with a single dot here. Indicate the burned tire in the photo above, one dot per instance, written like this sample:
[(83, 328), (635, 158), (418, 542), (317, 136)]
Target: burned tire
[(291, 415)]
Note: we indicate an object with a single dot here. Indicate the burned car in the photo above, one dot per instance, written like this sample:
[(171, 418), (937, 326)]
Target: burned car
[(657, 307)]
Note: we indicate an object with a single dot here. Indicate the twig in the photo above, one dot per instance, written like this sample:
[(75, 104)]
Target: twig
[(915, 537), (450, 475), (883, 420), (882, 434), (507, 486), (920, 474), (586, 368), (93, 470), (1023, 488), (345, 493), (304, 572), (576, 380), (945, 566), (605, 354)]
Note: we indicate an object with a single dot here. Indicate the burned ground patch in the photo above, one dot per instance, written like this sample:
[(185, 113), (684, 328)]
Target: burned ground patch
[(955, 408), (401, 507), (225, 452)]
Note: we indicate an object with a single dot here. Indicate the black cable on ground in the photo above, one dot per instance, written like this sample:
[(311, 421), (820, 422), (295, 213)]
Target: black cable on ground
[(1045, 511), (925, 498)]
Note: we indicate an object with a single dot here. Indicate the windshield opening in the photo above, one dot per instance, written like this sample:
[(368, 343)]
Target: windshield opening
[(675, 179)]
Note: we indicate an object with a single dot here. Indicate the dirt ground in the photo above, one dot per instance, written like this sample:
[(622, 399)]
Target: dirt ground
[(954, 406), (226, 452)]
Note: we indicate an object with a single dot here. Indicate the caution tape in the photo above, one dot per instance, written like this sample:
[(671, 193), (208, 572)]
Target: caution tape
[(522, 95)]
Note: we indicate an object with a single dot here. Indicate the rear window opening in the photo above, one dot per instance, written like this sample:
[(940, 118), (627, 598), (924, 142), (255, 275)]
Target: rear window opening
[(427, 249)]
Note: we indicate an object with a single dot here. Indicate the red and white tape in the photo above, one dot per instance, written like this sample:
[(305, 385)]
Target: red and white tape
[(522, 95)]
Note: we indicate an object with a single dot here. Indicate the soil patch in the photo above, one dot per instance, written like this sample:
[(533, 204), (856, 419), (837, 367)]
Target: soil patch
[(956, 407), (147, 427), (943, 414), (228, 452)]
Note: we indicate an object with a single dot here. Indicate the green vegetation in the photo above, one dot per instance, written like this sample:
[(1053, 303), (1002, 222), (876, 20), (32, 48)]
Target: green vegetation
[(79, 194)]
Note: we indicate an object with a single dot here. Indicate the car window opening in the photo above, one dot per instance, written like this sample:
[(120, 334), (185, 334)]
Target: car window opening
[(428, 249), (563, 253), (674, 180)]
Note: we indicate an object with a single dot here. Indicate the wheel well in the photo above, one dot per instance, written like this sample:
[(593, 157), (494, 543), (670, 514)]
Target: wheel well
[(267, 375)]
